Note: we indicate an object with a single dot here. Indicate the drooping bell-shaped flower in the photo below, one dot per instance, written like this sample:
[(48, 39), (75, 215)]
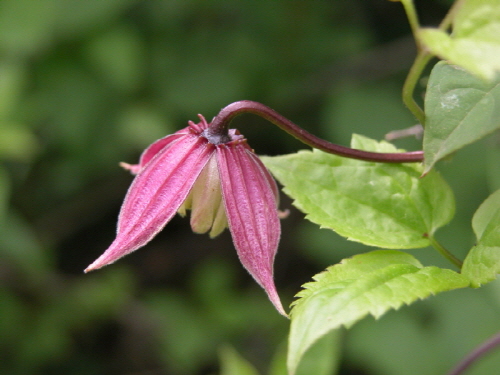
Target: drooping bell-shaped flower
[(221, 181)]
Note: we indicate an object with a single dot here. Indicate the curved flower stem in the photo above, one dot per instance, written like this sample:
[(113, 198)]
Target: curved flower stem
[(442, 250), (411, 13), (418, 66), (220, 125), (423, 56), (477, 353), (448, 19)]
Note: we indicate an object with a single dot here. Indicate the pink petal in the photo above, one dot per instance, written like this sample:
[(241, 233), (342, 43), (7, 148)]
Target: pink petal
[(153, 149), (157, 146), (161, 143), (156, 194), (250, 201)]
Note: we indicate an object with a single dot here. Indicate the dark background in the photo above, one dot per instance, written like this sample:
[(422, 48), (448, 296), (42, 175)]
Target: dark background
[(87, 84)]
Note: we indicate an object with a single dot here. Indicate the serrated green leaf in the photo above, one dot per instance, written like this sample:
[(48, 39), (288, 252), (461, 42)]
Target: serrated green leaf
[(351, 268), (377, 204), (459, 109), (482, 264), (342, 297), (475, 42)]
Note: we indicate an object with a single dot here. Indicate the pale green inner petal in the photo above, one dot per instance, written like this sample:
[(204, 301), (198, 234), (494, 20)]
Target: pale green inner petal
[(205, 202), (220, 222), (186, 205)]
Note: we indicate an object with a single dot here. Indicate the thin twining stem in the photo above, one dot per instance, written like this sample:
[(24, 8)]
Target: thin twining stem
[(477, 353), (220, 124), (421, 61), (423, 56)]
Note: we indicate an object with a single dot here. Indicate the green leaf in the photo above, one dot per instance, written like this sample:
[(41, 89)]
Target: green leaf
[(322, 358), (365, 284), (486, 221), (232, 363), (383, 205), (475, 42), (482, 264), (459, 109)]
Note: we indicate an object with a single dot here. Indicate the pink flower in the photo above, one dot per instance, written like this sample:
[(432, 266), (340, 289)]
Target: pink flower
[(221, 181)]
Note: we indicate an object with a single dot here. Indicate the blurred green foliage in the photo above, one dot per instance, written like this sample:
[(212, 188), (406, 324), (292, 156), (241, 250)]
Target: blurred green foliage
[(86, 84)]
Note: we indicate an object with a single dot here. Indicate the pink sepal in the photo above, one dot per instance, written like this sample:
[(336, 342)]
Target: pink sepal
[(156, 194), (250, 201)]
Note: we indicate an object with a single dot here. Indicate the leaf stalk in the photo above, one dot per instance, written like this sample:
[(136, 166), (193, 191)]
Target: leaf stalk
[(444, 252), (423, 56)]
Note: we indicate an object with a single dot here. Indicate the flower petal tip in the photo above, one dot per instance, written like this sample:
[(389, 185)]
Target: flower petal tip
[(132, 168), (275, 300), (283, 214), (277, 304), (94, 266), (282, 312), (100, 262)]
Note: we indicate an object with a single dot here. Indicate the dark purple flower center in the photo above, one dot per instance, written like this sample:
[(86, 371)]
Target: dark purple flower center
[(218, 138)]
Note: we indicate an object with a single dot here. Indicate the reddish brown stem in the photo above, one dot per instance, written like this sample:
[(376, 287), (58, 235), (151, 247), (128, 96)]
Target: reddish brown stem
[(220, 125), (477, 353)]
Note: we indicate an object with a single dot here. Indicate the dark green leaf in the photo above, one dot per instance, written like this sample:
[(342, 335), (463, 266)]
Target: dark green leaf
[(459, 109)]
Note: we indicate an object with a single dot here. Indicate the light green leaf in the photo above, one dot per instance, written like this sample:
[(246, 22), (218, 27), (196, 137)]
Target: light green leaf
[(322, 358), (486, 221), (377, 204), (459, 109), (232, 363), (482, 264), (483, 261), (369, 262), (475, 42), (365, 284)]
